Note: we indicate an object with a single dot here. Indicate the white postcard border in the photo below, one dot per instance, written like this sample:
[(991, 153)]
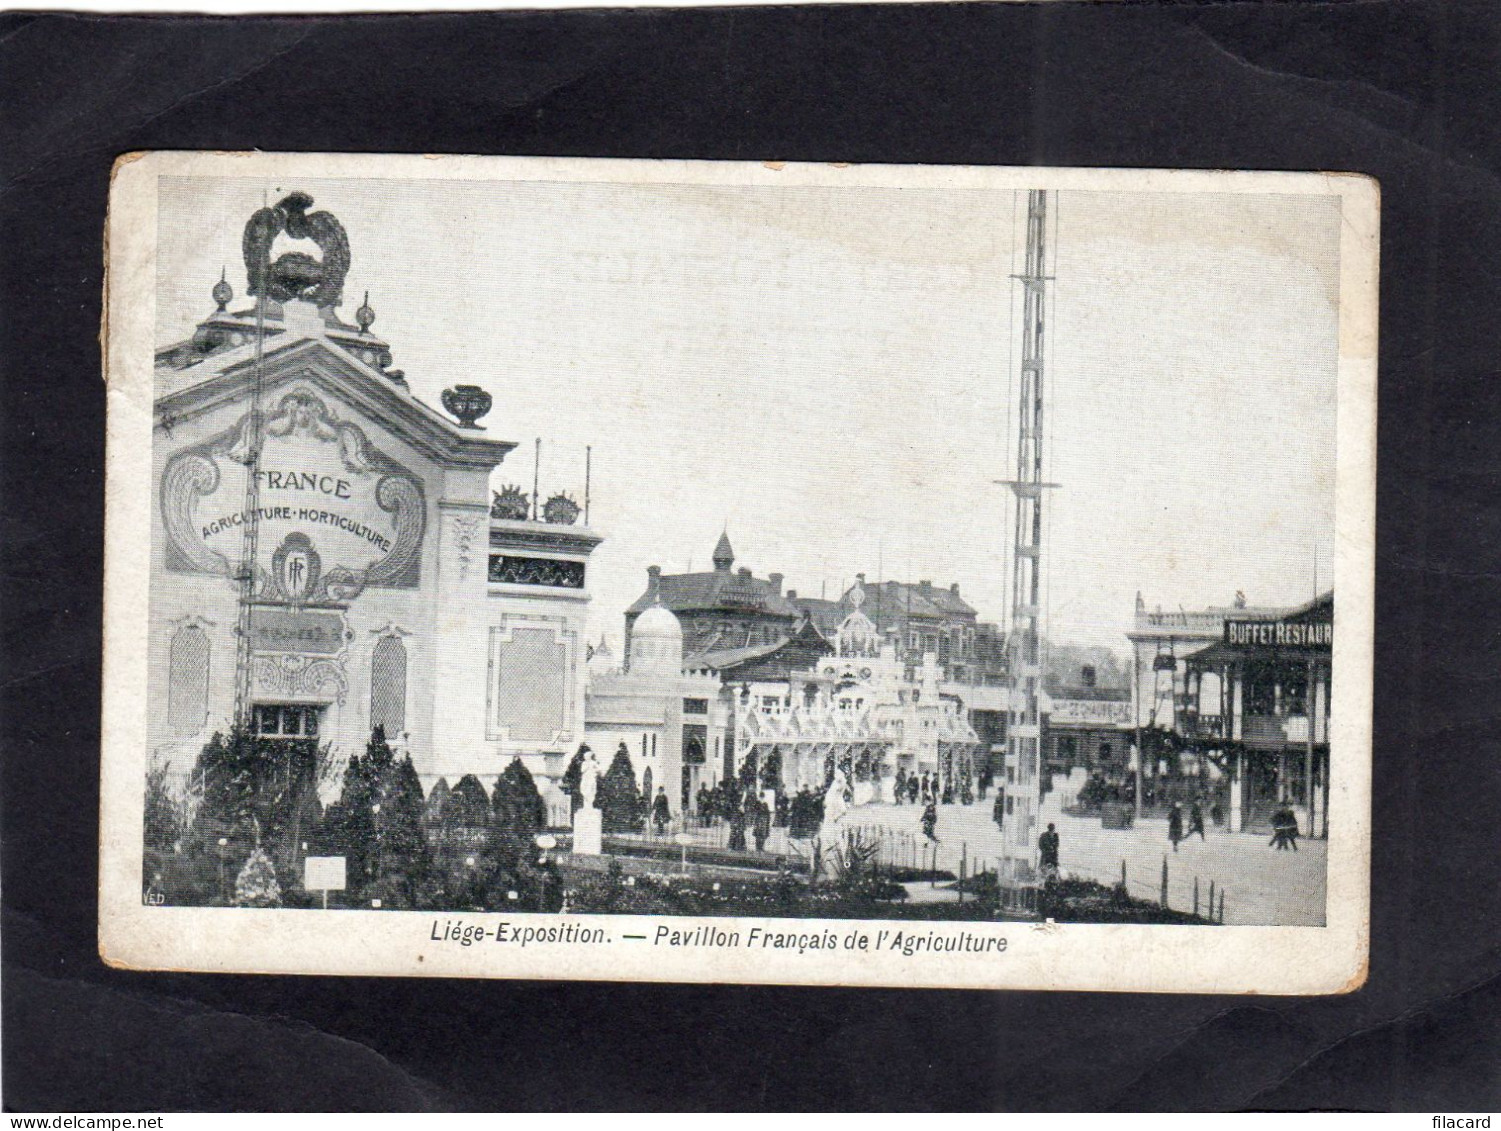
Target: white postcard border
[(1264, 960)]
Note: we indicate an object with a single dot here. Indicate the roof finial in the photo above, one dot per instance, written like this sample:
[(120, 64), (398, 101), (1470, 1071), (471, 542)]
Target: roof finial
[(365, 315), (222, 291)]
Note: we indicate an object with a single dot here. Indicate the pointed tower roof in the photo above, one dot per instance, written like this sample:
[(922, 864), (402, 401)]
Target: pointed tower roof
[(724, 555)]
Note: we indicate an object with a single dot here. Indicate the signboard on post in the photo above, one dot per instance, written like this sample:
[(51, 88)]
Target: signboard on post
[(1091, 712), (323, 873)]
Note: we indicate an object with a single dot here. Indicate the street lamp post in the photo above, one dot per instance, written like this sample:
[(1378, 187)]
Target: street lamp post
[(375, 819)]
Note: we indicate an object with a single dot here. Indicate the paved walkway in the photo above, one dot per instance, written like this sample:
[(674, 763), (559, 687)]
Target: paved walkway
[(1261, 885)]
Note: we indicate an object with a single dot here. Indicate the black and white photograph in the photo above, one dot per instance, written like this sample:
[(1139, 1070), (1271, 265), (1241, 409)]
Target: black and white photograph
[(739, 572)]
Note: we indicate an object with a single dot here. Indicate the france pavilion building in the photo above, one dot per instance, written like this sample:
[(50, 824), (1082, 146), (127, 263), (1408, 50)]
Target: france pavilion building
[(327, 554)]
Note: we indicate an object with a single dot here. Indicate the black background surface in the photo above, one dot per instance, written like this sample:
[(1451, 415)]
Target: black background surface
[(1407, 92)]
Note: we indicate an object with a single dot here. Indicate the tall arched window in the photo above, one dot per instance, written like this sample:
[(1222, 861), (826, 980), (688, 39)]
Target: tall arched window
[(388, 686), (646, 783), (187, 681)]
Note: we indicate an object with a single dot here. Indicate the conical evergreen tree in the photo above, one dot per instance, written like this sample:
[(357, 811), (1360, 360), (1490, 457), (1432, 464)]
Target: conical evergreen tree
[(526, 808), (349, 827), (437, 803), (468, 804), (226, 773), (464, 836), (401, 844), (256, 884), (163, 824), (509, 863), (619, 799)]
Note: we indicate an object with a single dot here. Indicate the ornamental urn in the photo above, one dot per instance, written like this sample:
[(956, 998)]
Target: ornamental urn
[(467, 403)]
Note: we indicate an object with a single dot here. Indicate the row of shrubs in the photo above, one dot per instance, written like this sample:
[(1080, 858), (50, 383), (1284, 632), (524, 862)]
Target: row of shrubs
[(254, 814)]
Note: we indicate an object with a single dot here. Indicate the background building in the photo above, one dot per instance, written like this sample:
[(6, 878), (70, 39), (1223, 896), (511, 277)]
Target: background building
[(1086, 726), (732, 619), (1237, 697), (922, 618), (673, 722), (1160, 639), (1260, 697), (859, 708), (719, 611)]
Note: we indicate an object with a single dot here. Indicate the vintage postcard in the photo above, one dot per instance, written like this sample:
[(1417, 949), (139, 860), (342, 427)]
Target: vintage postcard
[(739, 572)]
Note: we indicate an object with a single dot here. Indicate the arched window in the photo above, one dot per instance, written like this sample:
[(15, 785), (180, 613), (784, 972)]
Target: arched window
[(187, 681), (388, 686), (646, 783)]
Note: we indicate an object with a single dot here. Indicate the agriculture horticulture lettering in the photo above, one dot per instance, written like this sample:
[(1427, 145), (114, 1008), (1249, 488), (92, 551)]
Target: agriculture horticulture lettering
[(300, 514)]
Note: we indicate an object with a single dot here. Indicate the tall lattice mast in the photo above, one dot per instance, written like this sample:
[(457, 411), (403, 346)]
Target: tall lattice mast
[(1024, 722), (249, 545), (293, 276)]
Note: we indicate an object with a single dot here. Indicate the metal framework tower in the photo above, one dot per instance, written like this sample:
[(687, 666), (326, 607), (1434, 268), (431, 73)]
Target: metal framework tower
[(253, 438), (1024, 722)]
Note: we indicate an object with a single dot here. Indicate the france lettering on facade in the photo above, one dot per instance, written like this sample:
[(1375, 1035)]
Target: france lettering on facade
[(304, 481), (374, 508)]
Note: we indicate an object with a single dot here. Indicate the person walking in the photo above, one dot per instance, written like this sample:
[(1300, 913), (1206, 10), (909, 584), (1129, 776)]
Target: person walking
[(762, 825), (998, 811), (1284, 827), (737, 829), (1196, 820), (900, 791), (912, 789), (661, 812), (1047, 850), (1175, 825), (930, 821)]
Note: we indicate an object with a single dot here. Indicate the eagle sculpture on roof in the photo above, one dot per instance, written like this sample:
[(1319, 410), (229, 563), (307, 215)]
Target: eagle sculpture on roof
[(296, 274)]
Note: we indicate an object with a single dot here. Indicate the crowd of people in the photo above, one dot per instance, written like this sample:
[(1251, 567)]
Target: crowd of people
[(802, 813), (746, 812), (931, 788), (751, 818)]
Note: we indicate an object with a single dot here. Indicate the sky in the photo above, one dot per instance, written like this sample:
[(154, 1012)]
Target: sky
[(828, 373)]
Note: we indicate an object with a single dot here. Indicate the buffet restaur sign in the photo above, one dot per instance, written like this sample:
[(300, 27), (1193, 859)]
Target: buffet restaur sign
[(1275, 633)]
